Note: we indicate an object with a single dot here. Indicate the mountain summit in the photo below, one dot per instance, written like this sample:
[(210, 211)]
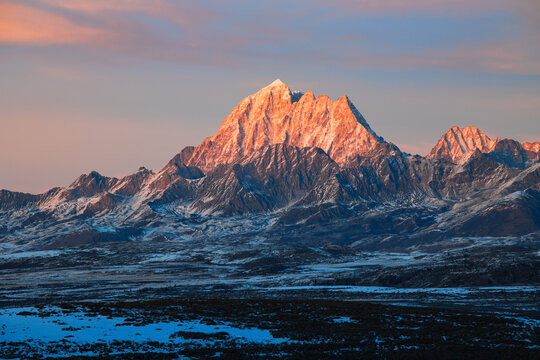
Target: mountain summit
[(313, 172), (458, 142), (276, 115)]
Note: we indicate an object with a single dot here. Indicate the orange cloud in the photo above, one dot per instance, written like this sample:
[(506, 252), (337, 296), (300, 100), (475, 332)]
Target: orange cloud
[(68, 22), (110, 26), (22, 24), (177, 13)]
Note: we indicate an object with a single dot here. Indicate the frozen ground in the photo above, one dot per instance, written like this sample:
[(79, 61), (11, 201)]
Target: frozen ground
[(200, 328), (39, 328), (504, 278), (170, 298)]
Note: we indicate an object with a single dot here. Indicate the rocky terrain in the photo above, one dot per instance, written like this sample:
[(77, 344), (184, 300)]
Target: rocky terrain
[(288, 169), (289, 182), (313, 169), (294, 197)]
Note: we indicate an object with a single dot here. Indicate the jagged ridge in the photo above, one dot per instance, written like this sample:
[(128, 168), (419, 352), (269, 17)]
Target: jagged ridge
[(308, 159), (275, 116)]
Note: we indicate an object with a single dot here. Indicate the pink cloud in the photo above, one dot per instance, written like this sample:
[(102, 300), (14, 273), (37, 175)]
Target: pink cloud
[(98, 22), (108, 26), (22, 24), (180, 14)]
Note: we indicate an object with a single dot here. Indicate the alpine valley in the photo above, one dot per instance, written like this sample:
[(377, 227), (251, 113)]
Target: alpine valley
[(297, 196)]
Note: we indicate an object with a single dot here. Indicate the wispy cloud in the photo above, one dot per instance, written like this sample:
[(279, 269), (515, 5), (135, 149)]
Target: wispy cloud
[(130, 27), (236, 34), (24, 24), (498, 58), (440, 7), (179, 13)]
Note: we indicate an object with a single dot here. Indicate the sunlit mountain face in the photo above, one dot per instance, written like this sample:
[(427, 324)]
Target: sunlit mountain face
[(292, 166), (276, 115), (295, 196), (280, 150)]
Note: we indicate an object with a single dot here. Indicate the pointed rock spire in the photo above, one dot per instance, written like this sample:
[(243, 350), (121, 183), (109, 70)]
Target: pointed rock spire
[(532, 146), (275, 115), (458, 143), (277, 83)]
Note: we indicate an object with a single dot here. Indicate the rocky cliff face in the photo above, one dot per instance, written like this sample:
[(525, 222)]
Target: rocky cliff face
[(457, 143), (275, 115), (283, 159), (531, 146)]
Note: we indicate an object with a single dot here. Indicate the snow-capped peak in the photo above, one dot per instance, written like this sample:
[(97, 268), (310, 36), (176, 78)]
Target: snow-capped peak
[(458, 143), (275, 115), (276, 82)]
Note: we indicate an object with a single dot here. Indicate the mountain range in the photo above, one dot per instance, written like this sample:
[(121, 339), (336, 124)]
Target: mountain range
[(294, 167)]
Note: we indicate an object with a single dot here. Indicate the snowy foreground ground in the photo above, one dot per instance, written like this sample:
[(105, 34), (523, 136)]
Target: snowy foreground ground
[(256, 299), (260, 328)]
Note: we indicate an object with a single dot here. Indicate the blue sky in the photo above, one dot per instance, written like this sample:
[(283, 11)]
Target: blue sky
[(113, 85)]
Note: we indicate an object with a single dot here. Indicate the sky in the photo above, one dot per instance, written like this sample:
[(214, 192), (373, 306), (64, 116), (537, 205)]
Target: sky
[(114, 85)]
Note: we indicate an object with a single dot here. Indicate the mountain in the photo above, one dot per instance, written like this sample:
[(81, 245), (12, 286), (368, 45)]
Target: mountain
[(531, 146), (276, 115), (293, 167), (457, 143)]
